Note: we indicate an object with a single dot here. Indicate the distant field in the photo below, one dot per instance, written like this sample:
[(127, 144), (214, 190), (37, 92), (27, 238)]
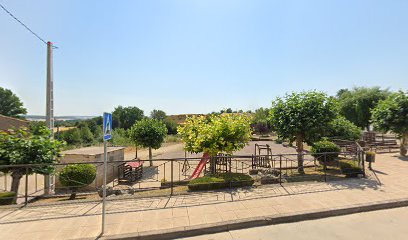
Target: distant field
[(62, 129)]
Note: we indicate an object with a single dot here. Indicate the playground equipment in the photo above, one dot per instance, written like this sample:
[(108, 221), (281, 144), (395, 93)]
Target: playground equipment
[(262, 157), (222, 163), (197, 171)]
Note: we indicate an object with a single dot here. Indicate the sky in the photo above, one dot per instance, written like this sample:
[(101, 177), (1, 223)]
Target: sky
[(186, 56)]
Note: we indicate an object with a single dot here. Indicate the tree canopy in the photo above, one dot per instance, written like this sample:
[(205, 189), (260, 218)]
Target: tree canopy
[(11, 105), (391, 114), (148, 133), (342, 128), (125, 117), (158, 114), (356, 104), (215, 134), (302, 117), (23, 147)]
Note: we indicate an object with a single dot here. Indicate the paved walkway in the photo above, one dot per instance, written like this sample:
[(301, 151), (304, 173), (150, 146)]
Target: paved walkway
[(82, 220)]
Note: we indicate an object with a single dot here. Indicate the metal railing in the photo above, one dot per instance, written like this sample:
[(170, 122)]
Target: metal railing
[(167, 174)]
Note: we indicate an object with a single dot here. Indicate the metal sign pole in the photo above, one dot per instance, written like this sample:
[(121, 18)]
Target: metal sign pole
[(105, 160), (107, 134)]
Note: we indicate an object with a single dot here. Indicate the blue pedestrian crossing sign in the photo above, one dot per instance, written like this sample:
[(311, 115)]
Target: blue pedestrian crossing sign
[(107, 126)]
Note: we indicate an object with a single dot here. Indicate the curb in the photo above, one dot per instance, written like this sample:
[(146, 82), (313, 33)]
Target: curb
[(224, 226)]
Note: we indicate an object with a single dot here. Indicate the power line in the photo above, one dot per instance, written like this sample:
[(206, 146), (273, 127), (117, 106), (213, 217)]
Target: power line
[(25, 26)]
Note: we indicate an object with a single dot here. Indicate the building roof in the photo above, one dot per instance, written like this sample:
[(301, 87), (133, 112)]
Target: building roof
[(7, 123), (90, 150)]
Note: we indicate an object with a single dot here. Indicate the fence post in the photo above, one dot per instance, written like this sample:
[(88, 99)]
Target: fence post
[(280, 170), (26, 187), (171, 176), (325, 167), (363, 160)]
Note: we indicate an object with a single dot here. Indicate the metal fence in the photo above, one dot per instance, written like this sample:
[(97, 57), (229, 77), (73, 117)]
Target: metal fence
[(139, 178)]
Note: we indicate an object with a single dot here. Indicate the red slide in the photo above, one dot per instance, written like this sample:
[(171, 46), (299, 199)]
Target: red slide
[(200, 166)]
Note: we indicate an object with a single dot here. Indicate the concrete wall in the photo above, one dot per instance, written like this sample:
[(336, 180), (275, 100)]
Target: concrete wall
[(112, 168)]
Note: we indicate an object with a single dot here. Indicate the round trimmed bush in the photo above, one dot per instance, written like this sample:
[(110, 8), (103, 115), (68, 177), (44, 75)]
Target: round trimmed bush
[(76, 176), (7, 198), (325, 146)]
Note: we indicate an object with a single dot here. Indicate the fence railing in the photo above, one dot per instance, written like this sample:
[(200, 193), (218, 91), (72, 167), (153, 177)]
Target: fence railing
[(130, 177)]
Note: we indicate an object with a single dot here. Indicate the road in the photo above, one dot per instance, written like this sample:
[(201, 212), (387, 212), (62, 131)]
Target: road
[(384, 224)]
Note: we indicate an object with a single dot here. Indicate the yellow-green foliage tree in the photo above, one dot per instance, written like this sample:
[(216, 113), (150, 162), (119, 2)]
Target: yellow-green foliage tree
[(215, 134)]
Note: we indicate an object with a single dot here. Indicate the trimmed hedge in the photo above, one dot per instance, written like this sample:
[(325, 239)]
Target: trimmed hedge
[(7, 198), (350, 168), (222, 180), (325, 146)]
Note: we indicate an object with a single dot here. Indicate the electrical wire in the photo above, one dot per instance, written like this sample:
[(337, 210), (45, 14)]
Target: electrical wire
[(25, 26)]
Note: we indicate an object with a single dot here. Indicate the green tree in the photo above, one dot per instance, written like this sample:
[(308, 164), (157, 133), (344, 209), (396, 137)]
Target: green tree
[(158, 114), (71, 136), (148, 133), (171, 126), (302, 117), (76, 176), (343, 129), (22, 147), (125, 117), (10, 104), (260, 121), (87, 137), (161, 116), (215, 134), (356, 104), (391, 114)]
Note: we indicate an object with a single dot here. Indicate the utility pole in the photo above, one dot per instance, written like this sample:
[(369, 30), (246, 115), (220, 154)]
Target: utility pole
[(48, 180)]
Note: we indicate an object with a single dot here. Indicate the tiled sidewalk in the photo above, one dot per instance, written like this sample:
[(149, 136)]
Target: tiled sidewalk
[(73, 221)]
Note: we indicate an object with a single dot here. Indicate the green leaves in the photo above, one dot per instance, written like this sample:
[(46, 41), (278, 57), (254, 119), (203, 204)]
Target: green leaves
[(391, 114), (356, 104), (125, 117), (22, 147), (77, 175), (215, 134), (343, 129), (10, 104), (303, 115), (148, 133)]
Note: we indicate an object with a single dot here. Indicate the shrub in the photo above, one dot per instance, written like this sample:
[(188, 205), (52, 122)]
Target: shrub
[(120, 137), (350, 168), (7, 198), (171, 126), (325, 146), (71, 136), (87, 137), (76, 176), (221, 180)]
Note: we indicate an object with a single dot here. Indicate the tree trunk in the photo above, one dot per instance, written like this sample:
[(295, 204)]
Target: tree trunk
[(150, 156), (16, 176), (299, 149), (136, 153), (73, 193), (404, 145)]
